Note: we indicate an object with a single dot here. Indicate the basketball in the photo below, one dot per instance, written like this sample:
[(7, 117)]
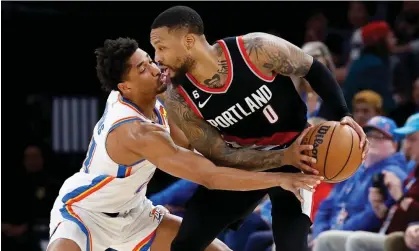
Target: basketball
[(336, 148)]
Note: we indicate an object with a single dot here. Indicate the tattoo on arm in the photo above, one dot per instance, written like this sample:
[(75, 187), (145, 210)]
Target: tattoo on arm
[(208, 141), (275, 54)]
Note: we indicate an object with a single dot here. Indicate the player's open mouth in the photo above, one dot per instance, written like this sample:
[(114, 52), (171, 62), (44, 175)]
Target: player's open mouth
[(163, 77)]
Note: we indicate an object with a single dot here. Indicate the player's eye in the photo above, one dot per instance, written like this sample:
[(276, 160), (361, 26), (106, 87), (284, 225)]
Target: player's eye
[(142, 69)]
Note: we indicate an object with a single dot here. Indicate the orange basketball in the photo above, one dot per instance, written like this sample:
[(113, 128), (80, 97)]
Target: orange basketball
[(336, 148)]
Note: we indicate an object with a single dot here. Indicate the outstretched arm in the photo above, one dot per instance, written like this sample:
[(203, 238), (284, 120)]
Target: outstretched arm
[(272, 54), (208, 141), (153, 142)]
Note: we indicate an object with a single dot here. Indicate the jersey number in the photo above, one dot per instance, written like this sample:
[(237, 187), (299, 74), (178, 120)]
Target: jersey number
[(195, 94), (89, 157), (270, 114), (101, 123)]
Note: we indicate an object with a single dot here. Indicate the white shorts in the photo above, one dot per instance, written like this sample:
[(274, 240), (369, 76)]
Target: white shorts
[(94, 231)]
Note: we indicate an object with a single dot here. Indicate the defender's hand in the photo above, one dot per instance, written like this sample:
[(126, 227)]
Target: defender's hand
[(293, 182), (364, 144), (295, 155)]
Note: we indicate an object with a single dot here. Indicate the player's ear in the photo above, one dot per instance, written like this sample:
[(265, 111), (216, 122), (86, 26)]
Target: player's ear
[(189, 41), (123, 87)]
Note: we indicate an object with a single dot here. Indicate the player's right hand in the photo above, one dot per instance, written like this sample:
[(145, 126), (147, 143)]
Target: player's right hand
[(295, 156), (293, 182)]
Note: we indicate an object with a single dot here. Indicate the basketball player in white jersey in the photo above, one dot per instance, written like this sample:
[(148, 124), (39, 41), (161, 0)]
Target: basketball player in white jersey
[(103, 206)]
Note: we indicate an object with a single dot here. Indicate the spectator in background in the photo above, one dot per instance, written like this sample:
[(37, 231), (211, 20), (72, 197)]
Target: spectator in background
[(405, 212), (22, 228), (316, 27), (411, 237), (375, 69), (365, 105), (175, 196), (347, 208), (315, 107), (322, 190), (407, 22), (255, 234), (403, 241), (358, 15), (406, 107), (43, 187)]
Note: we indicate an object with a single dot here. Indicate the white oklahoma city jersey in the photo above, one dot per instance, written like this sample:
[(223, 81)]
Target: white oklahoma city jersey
[(102, 185)]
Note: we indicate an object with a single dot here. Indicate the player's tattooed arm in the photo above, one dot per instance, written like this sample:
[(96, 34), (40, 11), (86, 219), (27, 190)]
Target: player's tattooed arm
[(273, 54), (208, 141)]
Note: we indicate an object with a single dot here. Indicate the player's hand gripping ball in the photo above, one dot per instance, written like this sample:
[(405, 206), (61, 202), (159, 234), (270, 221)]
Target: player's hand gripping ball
[(336, 148)]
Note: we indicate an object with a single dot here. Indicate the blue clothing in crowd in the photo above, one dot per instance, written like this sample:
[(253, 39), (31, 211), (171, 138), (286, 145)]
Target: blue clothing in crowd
[(347, 207), (176, 194), (370, 72)]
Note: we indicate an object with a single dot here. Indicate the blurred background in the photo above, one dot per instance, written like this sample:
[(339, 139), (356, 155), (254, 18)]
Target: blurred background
[(49, 67)]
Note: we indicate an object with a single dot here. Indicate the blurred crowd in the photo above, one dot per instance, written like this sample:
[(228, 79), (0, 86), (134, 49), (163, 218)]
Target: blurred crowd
[(377, 66)]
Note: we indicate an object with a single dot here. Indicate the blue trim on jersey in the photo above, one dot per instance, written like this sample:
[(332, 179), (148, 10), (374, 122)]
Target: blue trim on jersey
[(123, 122), (147, 246), (73, 194), (161, 102), (138, 162), (121, 171), (131, 103), (156, 111), (159, 116), (88, 161), (83, 228)]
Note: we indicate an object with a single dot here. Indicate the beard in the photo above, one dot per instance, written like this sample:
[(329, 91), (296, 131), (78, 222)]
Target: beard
[(181, 72), (161, 89)]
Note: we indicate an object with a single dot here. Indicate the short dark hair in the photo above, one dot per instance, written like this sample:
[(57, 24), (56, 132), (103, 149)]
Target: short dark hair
[(180, 17), (112, 61)]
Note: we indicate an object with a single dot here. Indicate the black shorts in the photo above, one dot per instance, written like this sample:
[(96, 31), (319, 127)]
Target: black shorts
[(209, 212)]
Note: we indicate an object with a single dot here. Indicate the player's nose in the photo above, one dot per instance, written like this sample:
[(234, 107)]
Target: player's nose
[(155, 70), (157, 58)]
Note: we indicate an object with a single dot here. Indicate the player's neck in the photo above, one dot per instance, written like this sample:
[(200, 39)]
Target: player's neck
[(206, 62), (146, 105)]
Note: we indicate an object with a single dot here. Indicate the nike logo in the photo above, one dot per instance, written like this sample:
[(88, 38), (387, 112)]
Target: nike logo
[(205, 102)]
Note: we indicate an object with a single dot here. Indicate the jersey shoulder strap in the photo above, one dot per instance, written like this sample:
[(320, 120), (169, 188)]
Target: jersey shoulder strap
[(241, 58)]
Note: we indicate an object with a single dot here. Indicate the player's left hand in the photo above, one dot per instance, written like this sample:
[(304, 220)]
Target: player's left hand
[(364, 144)]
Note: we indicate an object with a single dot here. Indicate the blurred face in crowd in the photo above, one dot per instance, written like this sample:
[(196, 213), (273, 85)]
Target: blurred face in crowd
[(304, 85), (33, 159), (362, 112), (381, 145), (357, 14), (143, 77), (391, 41), (416, 91), (173, 49), (411, 146)]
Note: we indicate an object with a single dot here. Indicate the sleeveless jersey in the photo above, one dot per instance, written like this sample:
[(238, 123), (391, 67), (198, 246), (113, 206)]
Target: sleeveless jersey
[(251, 109), (101, 184)]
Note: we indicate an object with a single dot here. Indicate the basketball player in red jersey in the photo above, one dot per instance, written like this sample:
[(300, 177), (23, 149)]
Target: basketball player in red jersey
[(108, 195), (232, 100)]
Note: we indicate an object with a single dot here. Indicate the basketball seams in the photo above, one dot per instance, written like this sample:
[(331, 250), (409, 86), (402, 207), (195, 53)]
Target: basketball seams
[(327, 151), (313, 130), (349, 156), (350, 153), (330, 148)]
